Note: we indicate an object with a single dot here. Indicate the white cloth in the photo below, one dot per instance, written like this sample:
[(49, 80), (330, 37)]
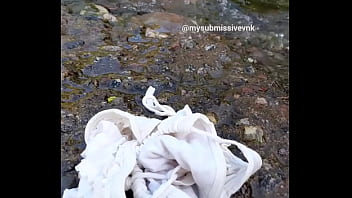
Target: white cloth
[(178, 157)]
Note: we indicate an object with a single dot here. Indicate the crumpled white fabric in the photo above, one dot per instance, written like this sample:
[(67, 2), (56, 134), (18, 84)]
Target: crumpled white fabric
[(178, 157)]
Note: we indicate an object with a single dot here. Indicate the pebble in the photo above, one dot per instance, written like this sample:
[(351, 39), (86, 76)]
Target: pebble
[(211, 117), (236, 96), (209, 47), (244, 121), (188, 44), (102, 12), (111, 48), (261, 101), (154, 34), (224, 58), (201, 71), (253, 133), (266, 165), (249, 70)]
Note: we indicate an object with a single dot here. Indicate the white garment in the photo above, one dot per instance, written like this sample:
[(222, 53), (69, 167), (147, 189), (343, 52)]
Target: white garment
[(178, 157)]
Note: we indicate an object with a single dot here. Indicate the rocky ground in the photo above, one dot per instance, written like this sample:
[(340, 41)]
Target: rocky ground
[(112, 50)]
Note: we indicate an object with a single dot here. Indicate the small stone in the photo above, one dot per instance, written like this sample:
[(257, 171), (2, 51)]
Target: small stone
[(94, 9), (167, 22), (144, 80), (211, 117), (261, 101), (236, 96), (209, 47), (201, 71), (253, 133), (111, 48), (154, 34), (100, 8), (244, 121), (188, 44), (251, 60), (282, 151), (224, 58), (266, 165), (249, 69), (109, 17)]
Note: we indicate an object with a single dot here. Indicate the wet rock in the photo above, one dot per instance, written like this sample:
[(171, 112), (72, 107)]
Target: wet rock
[(249, 70), (103, 65), (167, 22), (111, 48), (154, 34), (253, 133), (137, 39), (98, 11), (261, 101), (209, 47), (74, 44)]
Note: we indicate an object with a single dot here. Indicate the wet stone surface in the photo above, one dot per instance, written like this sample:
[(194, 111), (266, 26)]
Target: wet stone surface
[(104, 65), (238, 79)]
